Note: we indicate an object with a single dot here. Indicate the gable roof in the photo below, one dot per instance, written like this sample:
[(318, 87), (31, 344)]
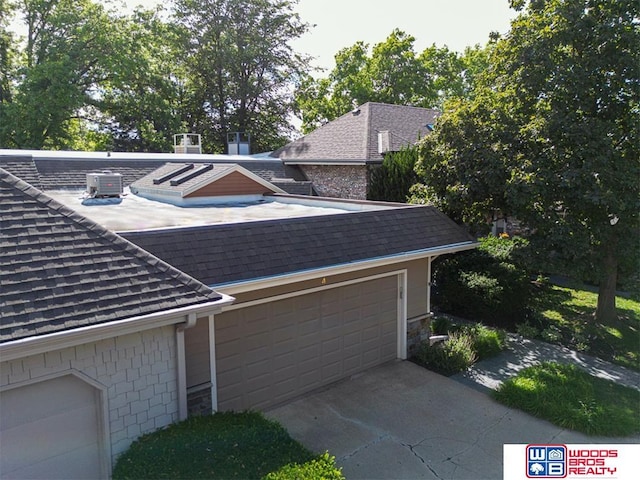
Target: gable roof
[(61, 271), (221, 254), (353, 137), (189, 180)]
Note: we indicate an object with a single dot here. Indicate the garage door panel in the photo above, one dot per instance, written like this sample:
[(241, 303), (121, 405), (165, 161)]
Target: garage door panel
[(50, 429), (289, 347), (257, 370)]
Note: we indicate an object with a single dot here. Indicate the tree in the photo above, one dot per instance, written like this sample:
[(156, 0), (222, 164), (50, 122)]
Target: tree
[(143, 102), (391, 72), (391, 181), (551, 136), (240, 67), (68, 46), (6, 40)]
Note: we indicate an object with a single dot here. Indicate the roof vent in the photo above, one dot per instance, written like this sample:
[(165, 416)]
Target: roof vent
[(174, 173), (188, 176), (104, 184), (187, 143)]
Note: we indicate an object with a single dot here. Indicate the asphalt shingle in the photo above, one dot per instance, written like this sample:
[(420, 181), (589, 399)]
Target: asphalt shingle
[(220, 254), (354, 136), (62, 271)]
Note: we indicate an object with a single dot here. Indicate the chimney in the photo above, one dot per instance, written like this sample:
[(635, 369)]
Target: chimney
[(384, 142)]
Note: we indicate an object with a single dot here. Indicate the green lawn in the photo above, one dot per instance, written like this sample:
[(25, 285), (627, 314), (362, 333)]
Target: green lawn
[(571, 398), (568, 317), (223, 446)]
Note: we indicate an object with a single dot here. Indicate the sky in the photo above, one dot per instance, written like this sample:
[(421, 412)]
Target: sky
[(454, 23), (337, 24)]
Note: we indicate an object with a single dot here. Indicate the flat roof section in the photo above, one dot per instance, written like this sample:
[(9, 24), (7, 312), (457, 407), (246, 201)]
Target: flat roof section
[(133, 213)]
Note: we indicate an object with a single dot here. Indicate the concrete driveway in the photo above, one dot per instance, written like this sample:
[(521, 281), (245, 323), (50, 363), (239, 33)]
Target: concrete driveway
[(401, 421)]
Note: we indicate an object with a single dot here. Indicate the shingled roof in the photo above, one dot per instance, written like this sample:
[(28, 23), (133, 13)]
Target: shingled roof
[(220, 254), (354, 137), (68, 170), (61, 271)]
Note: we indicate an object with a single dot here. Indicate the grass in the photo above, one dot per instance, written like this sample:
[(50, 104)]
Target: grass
[(571, 398), (565, 316), (221, 446)]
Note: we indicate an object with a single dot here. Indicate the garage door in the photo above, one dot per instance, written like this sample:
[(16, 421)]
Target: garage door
[(268, 353), (50, 430)]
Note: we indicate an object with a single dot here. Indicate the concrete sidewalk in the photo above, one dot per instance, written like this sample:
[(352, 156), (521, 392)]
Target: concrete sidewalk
[(523, 352), (401, 421)]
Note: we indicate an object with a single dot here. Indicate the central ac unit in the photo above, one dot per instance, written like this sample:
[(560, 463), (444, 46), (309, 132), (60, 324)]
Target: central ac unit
[(105, 184)]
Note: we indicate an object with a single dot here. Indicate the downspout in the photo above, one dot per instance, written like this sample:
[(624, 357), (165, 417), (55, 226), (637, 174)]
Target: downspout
[(183, 411)]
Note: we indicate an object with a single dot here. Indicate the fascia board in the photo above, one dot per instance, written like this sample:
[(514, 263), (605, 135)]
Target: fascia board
[(69, 338), (278, 280)]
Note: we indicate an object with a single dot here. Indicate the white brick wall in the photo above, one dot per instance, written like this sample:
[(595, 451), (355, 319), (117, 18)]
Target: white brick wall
[(137, 370)]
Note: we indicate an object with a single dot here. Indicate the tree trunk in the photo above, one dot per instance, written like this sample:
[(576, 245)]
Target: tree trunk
[(606, 309)]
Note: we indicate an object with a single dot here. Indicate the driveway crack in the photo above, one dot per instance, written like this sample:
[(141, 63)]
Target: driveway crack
[(419, 457)]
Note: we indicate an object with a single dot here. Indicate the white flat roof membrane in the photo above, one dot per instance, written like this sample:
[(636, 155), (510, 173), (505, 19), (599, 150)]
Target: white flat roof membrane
[(132, 212)]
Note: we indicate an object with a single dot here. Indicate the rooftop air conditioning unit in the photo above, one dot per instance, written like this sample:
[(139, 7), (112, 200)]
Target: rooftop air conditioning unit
[(104, 184)]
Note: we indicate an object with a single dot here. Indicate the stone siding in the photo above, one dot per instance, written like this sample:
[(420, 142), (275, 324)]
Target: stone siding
[(418, 331), (338, 181), (199, 400), (138, 372)]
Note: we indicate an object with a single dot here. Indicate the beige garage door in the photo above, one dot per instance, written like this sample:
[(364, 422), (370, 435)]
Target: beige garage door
[(50, 430), (268, 353)]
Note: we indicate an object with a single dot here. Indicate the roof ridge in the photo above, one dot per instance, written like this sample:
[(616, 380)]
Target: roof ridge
[(115, 239)]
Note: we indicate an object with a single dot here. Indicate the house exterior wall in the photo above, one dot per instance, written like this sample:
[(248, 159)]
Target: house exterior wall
[(338, 181), (196, 339), (138, 372), (417, 283)]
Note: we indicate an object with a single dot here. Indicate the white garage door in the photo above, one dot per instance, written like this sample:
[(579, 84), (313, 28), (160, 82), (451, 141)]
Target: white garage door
[(268, 353), (50, 429)]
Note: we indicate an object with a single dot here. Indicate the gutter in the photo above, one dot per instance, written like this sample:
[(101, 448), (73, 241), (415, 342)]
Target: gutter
[(234, 288), (14, 349)]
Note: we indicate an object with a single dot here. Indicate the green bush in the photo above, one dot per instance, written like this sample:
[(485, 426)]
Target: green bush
[(451, 356), (321, 468), (225, 445), (466, 345), (440, 325), (485, 284), (487, 342)]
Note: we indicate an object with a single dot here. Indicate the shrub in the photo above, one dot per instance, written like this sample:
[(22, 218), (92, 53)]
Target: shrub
[(449, 357), (486, 284), (440, 325), (487, 342), (321, 468)]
